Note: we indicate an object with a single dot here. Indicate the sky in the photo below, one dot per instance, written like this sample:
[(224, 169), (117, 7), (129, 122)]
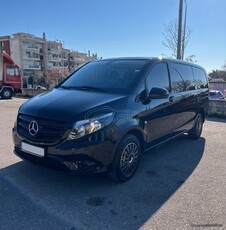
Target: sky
[(121, 28)]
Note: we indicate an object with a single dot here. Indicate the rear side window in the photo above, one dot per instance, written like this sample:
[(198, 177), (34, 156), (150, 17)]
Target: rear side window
[(200, 78), (158, 77), (182, 78)]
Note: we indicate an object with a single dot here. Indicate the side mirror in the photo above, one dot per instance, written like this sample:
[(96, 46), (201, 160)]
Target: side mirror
[(158, 93)]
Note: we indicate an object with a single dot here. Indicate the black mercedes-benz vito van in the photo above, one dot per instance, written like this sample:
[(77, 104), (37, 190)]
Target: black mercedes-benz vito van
[(105, 114)]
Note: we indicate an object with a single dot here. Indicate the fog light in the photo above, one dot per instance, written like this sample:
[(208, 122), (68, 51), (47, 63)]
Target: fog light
[(71, 165)]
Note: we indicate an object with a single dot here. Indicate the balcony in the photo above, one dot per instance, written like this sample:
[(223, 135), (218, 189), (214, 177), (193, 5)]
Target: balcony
[(37, 50), (77, 60), (32, 67), (32, 57), (51, 66), (54, 51), (64, 58), (36, 67), (32, 47), (54, 59), (29, 47)]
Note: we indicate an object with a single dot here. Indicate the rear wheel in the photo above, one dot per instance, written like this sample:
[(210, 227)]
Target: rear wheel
[(6, 93), (126, 159), (196, 131)]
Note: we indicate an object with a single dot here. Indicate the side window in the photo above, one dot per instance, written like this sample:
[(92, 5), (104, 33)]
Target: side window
[(158, 77), (200, 78), (16, 72), (182, 78), (10, 71)]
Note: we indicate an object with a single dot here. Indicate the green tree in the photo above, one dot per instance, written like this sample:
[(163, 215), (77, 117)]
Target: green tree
[(218, 74)]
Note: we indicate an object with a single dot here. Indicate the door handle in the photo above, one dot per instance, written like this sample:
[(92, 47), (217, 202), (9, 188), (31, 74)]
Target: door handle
[(172, 98), (176, 98)]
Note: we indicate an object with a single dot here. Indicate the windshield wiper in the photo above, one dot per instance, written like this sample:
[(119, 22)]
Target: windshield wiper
[(82, 88), (90, 88), (65, 87)]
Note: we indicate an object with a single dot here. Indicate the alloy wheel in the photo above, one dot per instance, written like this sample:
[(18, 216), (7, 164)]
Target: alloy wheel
[(129, 159)]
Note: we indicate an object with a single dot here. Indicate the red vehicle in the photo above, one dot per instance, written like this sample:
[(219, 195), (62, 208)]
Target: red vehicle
[(10, 78)]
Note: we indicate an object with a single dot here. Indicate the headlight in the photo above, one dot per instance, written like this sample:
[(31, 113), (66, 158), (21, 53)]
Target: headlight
[(85, 127)]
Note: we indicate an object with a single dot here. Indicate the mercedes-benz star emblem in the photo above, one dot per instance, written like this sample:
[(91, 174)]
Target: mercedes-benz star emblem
[(33, 128)]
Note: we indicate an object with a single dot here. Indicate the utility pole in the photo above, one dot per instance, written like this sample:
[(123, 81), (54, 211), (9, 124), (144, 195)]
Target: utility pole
[(179, 30), (184, 32), (1, 61)]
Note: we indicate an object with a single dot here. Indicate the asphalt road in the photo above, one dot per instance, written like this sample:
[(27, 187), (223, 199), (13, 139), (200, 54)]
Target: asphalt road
[(181, 185)]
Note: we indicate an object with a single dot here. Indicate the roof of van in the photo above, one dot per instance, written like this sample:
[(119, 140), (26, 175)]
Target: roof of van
[(151, 59)]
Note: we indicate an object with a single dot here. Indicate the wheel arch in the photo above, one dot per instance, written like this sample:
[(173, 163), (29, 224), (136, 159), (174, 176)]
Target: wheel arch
[(203, 113), (7, 87), (113, 170), (135, 131)]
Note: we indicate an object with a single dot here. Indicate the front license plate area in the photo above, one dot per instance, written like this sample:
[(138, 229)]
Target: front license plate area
[(34, 150)]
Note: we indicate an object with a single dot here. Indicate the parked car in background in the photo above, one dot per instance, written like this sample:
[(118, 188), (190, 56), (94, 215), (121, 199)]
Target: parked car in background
[(216, 95), (39, 87)]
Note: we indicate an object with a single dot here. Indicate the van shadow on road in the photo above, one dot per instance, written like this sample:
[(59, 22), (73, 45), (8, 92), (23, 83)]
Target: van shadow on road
[(97, 203)]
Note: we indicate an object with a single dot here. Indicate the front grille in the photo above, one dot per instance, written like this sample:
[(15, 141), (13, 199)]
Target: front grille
[(49, 131)]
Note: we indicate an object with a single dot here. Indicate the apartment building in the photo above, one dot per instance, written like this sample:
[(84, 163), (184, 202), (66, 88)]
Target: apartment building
[(28, 52), (36, 55), (5, 43), (57, 55), (77, 59)]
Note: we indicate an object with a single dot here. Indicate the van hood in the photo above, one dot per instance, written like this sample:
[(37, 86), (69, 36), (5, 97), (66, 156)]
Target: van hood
[(72, 105)]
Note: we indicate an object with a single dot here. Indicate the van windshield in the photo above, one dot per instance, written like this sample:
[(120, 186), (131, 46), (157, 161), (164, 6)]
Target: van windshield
[(106, 75)]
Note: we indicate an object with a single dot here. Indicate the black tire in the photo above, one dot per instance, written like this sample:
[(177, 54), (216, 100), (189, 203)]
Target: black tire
[(196, 131), (126, 159), (6, 93)]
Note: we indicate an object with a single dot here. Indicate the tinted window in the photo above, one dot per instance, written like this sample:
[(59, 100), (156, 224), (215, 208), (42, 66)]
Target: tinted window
[(177, 82), (212, 93), (158, 77), (110, 75), (200, 78), (182, 78)]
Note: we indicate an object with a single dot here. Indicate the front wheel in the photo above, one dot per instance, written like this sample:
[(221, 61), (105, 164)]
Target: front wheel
[(126, 159), (6, 93), (196, 131)]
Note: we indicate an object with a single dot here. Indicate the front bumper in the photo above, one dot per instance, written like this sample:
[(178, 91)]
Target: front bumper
[(92, 154)]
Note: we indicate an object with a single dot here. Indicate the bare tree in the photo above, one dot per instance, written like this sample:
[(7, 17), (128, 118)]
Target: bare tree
[(224, 66), (191, 58), (170, 35)]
